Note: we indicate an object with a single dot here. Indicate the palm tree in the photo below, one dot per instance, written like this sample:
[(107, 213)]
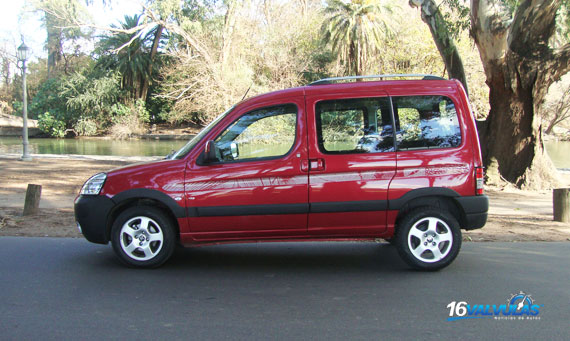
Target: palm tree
[(356, 29), (132, 54)]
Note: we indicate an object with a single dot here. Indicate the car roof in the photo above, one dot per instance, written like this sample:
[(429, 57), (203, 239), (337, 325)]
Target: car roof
[(326, 87)]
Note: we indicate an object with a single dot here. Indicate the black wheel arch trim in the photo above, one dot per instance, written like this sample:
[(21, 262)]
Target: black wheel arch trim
[(146, 193), (473, 209), (397, 204)]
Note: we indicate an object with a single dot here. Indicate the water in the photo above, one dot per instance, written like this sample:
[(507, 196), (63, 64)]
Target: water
[(559, 151), (92, 146)]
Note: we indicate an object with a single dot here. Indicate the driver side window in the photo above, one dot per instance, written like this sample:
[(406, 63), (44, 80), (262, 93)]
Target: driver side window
[(262, 133)]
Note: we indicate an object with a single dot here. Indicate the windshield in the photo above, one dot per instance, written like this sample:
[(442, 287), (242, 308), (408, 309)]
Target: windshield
[(182, 152)]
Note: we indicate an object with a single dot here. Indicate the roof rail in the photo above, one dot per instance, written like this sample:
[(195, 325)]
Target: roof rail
[(338, 79)]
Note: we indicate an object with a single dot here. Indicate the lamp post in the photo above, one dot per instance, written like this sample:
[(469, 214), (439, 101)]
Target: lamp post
[(23, 52)]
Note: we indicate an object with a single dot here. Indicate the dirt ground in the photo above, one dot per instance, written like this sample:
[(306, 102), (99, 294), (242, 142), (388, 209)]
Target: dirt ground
[(514, 215)]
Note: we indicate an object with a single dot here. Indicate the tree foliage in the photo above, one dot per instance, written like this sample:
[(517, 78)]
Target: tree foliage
[(189, 60), (247, 53), (63, 39), (356, 29), (129, 54), (443, 34)]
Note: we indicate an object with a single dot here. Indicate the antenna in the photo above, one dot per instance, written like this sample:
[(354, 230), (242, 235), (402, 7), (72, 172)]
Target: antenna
[(246, 92)]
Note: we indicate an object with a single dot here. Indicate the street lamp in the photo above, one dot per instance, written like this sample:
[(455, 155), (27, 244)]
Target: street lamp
[(23, 52)]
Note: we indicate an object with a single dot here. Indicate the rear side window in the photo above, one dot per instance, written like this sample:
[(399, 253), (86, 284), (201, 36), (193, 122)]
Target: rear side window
[(426, 122), (356, 125)]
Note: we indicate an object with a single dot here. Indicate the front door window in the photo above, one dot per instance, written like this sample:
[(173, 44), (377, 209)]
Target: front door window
[(263, 133)]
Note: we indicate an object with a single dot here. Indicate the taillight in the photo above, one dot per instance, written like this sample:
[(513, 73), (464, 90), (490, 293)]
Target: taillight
[(479, 180)]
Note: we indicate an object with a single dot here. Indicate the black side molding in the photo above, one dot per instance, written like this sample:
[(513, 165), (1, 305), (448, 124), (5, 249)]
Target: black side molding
[(222, 211), (349, 206), (318, 207)]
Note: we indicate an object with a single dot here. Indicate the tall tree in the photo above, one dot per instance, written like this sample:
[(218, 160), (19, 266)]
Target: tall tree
[(443, 39), (132, 52), (58, 16), (356, 29), (520, 65), (54, 43)]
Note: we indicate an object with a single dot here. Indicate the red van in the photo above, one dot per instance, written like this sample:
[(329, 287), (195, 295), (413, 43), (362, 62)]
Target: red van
[(334, 160)]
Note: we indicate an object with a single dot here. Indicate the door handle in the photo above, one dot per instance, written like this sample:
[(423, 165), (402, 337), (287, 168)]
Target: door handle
[(304, 165), (312, 164)]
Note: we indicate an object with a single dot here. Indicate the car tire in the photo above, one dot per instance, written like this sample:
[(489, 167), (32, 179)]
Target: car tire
[(428, 238), (143, 236)]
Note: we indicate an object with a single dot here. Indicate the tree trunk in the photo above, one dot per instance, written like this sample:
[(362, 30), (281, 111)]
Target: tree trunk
[(352, 68), (513, 136), (54, 47), (520, 67), (153, 51), (442, 38), (229, 24), (32, 201), (561, 204)]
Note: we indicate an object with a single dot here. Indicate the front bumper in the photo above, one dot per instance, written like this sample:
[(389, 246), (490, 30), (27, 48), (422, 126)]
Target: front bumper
[(475, 209), (91, 213)]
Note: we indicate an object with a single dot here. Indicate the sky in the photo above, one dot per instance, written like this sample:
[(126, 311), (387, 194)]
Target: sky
[(16, 21)]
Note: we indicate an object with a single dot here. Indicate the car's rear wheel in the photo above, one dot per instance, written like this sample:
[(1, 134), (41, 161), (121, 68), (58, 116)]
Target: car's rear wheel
[(143, 236), (428, 238)]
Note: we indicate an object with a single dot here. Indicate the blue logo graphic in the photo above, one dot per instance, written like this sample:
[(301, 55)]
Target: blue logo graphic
[(519, 306)]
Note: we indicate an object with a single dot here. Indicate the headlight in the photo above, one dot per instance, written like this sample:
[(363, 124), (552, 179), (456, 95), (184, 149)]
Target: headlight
[(94, 184)]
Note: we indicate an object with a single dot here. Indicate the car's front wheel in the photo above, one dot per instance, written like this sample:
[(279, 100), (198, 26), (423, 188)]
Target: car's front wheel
[(143, 236), (428, 238)]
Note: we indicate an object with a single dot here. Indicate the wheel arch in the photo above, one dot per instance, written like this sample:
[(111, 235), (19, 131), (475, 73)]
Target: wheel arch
[(145, 197), (438, 197)]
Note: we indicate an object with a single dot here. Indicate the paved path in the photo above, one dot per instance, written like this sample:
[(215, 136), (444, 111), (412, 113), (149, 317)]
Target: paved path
[(69, 288)]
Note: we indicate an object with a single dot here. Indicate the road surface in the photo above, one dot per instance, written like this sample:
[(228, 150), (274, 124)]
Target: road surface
[(62, 288)]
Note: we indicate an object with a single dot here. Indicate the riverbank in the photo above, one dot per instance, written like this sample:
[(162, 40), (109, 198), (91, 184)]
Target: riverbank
[(11, 125), (515, 215)]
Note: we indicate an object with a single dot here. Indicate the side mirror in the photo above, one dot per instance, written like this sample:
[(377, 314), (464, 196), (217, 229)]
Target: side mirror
[(234, 149), (210, 152), (170, 155)]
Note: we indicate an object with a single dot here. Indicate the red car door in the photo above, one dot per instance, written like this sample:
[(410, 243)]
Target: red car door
[(352, 160), (256, 187)]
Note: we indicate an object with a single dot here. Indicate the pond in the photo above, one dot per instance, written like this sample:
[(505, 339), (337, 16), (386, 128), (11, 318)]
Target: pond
[(558, 150), (92, 146)]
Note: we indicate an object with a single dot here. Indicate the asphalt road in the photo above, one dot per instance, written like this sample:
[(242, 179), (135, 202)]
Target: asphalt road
[(71, 289)]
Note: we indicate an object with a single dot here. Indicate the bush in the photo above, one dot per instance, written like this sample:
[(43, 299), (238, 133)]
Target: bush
[(128, 120), (50, 125), (85, 127), (141, 111), (82, 101), (49, 99), (92, 95)]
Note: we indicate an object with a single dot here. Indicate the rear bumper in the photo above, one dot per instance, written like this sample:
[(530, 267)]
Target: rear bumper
[(91, 213), (475, 209)]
